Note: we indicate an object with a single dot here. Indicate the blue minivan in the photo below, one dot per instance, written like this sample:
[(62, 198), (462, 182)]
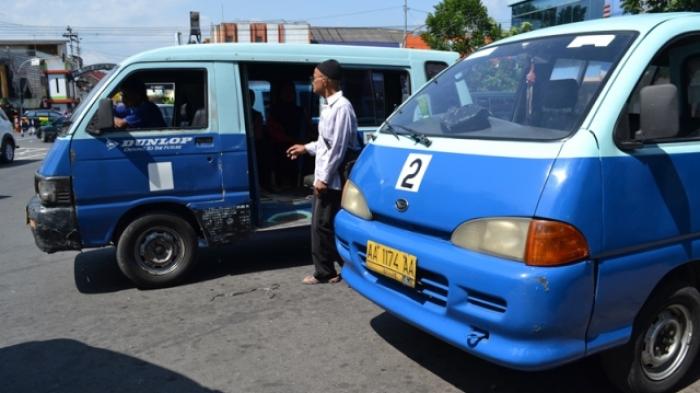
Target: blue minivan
[(158, 193), (539, 201)]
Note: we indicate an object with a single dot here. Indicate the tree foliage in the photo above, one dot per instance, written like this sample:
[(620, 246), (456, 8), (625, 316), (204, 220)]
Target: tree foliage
[(641, 6), (460, 25), (463, 26)]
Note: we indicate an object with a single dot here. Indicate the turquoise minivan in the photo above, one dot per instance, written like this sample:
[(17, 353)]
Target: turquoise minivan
[(204, 178), (539, 201)]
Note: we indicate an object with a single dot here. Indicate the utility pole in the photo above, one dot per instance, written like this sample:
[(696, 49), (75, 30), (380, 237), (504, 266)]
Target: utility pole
[(195, 31), (72, 37), (405, 22), (80, 59)]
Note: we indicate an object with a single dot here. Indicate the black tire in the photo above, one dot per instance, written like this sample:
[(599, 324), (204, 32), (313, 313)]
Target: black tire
[(38, 134), (648, 363), (157, 250), (44, 137), (7, 151)]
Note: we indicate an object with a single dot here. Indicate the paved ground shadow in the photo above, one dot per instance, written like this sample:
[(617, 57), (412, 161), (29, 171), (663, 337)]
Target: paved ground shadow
[(96, 271), (19, 162), (64, 365), (471, 374)]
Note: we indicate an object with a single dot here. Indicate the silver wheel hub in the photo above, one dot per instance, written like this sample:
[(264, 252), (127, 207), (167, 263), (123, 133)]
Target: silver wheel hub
[(666, 342), (9, 152), (158, 250)]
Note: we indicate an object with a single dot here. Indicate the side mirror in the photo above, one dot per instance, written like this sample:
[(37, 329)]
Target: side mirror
[(658, 112), (103, 119)]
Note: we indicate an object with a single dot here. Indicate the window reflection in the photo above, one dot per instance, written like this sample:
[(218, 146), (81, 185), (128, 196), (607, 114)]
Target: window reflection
[(545, 13)]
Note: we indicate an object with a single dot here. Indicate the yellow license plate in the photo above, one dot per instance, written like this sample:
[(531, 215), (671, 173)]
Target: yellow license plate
[(392, 263)]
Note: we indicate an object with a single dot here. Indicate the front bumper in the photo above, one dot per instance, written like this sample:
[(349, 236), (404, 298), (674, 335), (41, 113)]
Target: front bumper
[(518, 316), (54, 228)]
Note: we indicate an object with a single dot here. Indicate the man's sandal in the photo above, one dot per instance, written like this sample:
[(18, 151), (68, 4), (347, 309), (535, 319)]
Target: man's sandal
[(311, 280)]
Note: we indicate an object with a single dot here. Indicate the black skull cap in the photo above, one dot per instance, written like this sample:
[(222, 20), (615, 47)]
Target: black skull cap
[(331, 69)]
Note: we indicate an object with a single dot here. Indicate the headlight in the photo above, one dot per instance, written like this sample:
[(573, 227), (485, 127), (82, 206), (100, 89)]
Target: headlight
[(47, 191), (535, 242), (502, 236), (354, 202), (53, 190)]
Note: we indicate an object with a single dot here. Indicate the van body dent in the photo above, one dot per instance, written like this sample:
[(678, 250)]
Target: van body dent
[(540, 201), (214, 173)]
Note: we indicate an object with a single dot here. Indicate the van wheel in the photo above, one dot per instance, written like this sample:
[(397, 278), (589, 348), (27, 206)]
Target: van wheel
[(7, 151), (664, 342), (44, 137), (157, 250)]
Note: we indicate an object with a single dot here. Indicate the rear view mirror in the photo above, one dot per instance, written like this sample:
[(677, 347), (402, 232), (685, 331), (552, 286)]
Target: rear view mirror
[(659, 112), (103, 119)]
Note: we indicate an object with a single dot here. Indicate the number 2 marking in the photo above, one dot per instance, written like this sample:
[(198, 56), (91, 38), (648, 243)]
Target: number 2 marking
[(417, 163), (413, 171)]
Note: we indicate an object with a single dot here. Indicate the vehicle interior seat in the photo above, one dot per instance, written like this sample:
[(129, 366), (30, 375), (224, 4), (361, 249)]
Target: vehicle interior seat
[(199, 119), (558, 102)]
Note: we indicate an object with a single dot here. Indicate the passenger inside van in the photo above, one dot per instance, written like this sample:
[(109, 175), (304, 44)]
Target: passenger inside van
[(286, 125)]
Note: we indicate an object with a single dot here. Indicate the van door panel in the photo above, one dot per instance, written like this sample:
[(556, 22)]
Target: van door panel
[(122, 169)]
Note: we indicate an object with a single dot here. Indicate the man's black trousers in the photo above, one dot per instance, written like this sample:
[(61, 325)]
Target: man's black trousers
[(323, 251)]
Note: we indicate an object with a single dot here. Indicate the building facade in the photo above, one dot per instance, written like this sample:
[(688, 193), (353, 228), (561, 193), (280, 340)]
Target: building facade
[(24, 83), (270, 32), (303, 33), (544, 13), (366, 36)]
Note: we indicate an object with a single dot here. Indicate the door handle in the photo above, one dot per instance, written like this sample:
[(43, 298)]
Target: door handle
[(203, 140)]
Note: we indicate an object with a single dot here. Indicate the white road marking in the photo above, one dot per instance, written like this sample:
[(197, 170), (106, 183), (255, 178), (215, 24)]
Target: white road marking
[(28, 153), (26, 138)]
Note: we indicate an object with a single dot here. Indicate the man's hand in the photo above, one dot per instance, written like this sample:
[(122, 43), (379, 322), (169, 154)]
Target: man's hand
[(120, 123), (295, 151), (320, 187)]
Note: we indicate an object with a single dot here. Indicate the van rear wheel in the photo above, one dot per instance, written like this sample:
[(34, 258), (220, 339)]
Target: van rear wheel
[(664, 342), (157, 250)]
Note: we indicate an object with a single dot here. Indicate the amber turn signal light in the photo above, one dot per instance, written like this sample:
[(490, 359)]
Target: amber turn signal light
[(553, 243)]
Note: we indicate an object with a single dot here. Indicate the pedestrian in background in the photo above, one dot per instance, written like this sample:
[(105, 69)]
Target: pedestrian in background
[(337, 130)]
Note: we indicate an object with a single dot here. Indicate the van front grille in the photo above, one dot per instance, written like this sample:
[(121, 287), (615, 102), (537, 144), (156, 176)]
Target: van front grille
[(415, 228), (486, 301)]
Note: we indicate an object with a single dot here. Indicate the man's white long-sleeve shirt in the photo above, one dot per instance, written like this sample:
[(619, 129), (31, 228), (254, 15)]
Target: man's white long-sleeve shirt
[(337, 131)]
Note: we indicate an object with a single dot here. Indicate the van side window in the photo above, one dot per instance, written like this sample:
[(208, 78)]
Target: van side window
[(174, 99), (433, 68), (678, 64), (374, 94), (692, 73)]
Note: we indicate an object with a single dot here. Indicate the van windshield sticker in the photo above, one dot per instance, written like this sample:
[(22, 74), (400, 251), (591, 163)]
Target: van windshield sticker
[(412, 172), (595, 40)]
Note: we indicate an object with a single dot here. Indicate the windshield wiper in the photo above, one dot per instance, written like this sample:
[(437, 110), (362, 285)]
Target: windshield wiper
[(412, 134)]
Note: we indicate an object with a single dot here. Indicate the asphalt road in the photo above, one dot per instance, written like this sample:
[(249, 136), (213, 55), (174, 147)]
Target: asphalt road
[(70, 322)]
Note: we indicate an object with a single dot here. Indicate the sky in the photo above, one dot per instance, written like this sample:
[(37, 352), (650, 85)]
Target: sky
[(110, 31)]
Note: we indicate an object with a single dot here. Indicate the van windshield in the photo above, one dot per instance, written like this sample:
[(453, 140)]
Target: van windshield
[(528, 90)]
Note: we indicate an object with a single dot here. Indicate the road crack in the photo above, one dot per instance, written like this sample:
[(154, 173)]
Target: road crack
[(269, 290)]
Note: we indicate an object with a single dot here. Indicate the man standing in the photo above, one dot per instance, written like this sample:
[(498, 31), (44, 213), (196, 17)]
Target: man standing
[(337, 130)]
